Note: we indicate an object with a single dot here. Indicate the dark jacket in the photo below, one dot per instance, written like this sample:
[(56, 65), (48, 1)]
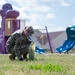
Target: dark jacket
[(18, 44)]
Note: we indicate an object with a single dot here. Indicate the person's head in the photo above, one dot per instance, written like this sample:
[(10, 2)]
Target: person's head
[(28, 31)]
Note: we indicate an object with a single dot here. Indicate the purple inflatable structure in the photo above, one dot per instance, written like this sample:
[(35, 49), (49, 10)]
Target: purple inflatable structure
[(7, 12)]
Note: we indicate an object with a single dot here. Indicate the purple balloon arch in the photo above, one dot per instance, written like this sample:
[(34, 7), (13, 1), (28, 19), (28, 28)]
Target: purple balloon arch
[(7, 12)]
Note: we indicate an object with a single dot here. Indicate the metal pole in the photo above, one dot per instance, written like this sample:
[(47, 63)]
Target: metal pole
[(49, 40)]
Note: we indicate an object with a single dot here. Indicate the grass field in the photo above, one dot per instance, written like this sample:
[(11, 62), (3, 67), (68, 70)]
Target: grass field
[(46, 64)]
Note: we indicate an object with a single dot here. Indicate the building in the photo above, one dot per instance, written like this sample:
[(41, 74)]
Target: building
[(56, 39)]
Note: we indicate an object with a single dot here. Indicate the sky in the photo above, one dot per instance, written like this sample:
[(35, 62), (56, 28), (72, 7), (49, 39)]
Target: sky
[(57, 15)]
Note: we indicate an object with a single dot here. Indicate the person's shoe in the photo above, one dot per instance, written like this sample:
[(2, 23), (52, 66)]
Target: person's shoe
[(11, 57)]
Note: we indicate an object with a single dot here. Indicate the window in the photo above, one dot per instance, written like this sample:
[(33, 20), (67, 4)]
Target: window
[(8, 24)]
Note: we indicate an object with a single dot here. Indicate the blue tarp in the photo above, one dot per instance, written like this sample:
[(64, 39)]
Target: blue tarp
[(39, 50)]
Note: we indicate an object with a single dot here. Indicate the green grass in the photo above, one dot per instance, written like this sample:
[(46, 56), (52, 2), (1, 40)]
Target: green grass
[(46, 64)]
